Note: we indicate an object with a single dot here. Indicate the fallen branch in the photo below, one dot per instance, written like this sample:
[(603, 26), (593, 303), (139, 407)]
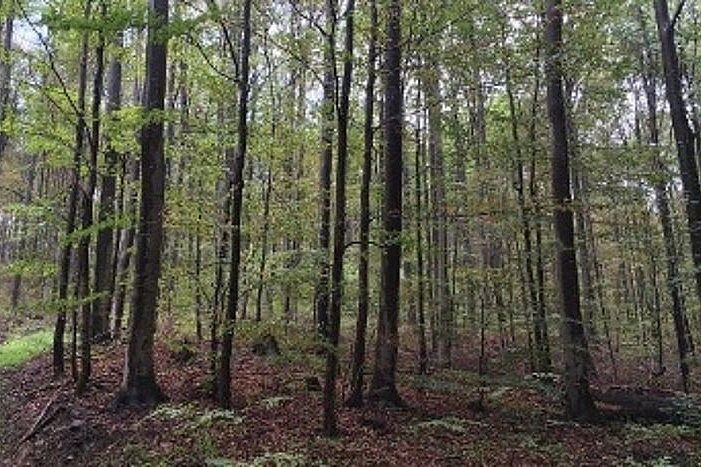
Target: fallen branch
[(44, 419)]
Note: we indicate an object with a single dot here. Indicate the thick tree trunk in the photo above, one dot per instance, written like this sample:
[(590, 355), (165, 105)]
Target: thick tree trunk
[(383, 387), (578, 399), (683, 134), (139, 385)]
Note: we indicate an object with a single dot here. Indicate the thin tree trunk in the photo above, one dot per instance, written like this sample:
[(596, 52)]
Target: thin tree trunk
[(87, 204), (6, 77), (73, 199), (321, 302), (339, 232), (236, 195), (674, 282), (104, 269), (540, 319), (439, 235), (264, 242), (423, 358), (355, 399)]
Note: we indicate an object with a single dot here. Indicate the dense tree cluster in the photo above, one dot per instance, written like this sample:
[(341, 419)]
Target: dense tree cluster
[(402, 174)]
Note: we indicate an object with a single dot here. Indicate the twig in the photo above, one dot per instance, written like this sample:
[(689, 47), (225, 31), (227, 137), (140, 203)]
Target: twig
[(677, 13), (42, 420)]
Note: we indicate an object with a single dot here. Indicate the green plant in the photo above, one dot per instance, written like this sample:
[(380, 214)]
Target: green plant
[(21, 349)]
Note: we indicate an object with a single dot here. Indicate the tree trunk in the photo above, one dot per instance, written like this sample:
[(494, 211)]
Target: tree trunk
[(423, 358), (531, 297), (87, 205), (674, 282), (6, 77), (104, 269), (236, 195), (578, 399), (683, 134), (321, 302), (355, 399), (73, 199), (264, 243), (339, 232), (439, 233), (383, 387), (139, 385)]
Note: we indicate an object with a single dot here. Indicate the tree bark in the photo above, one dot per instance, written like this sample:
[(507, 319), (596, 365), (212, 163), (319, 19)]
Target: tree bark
[(439, 229), (383, 387), (674, 282), (683, 134), (321, 302), (6, 77), (104, 269), (236, 195), (139, 385), (87, 213), (578, 399), (339, 232), (355, 399), (73, 199)]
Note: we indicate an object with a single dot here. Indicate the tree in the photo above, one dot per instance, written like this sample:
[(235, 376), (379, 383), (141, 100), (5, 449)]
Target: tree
[(236, 196), (87, 213), (72, 211), (355, 399), (578, 399), (104, 249), (383, 387), (339, 232), (674, 283), (328, 105), (139, 385), (6, 76), (683, 133), (439, 232)]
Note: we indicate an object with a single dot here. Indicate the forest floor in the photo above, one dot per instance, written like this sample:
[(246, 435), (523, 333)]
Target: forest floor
[(453, 417)]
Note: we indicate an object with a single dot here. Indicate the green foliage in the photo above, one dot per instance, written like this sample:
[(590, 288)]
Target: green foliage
[(212, 417), (645, 433), (451, 424), (173, 411), (195, 418), (18, 350), (274, 402)]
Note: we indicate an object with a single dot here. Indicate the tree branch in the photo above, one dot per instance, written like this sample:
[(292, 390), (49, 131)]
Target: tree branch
[(677, 13)]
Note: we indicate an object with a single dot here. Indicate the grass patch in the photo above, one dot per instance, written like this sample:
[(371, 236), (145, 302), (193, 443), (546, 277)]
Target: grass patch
[(18, 350)]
